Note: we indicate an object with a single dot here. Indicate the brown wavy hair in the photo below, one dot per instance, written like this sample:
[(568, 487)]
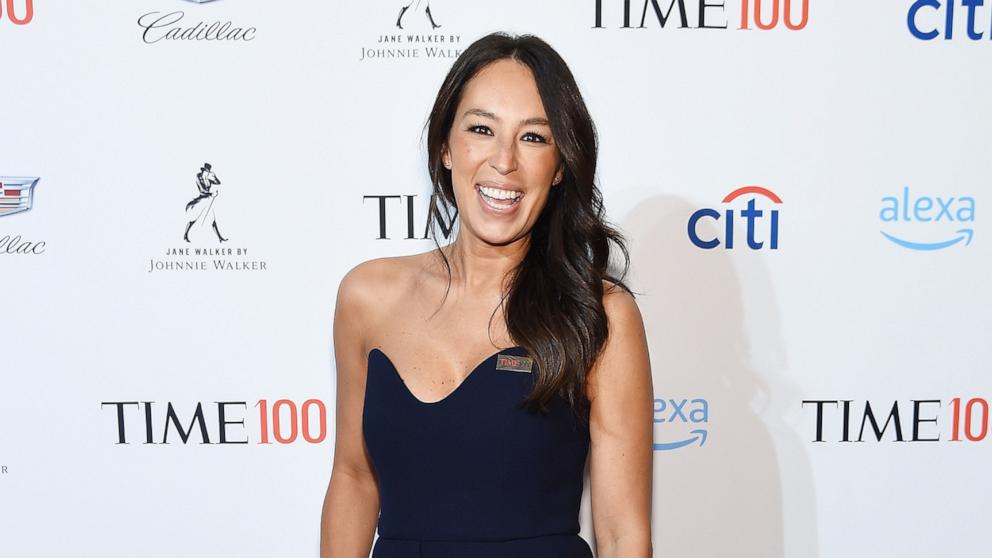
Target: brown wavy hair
[(553, 305)]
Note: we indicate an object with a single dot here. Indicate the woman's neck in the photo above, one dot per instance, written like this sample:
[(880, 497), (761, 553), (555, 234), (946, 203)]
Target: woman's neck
[(477, 266)]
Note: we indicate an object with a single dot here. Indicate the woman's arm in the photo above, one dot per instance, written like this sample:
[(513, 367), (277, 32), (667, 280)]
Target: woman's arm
[(351, 504), (620, 467)]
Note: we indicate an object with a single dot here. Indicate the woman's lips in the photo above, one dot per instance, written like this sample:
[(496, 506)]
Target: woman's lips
[(497, 206)]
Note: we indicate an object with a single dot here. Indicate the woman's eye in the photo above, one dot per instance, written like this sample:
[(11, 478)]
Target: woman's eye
[(529, 136), (537, 137)]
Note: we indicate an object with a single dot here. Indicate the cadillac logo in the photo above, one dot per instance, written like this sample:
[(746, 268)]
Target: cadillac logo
[(16, 194)]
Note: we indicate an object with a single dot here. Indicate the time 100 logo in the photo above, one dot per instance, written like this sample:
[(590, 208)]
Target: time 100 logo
[(707, 14), (219, 422)]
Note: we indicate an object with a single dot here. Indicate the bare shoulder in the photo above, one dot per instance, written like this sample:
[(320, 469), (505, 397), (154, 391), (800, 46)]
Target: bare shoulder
[(625, 352), (368, 289), (373, 278), (360, 288), (365, 280), (621, 308)]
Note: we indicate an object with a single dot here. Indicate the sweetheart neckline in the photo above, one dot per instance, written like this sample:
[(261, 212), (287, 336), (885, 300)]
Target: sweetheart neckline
[(451, 393)]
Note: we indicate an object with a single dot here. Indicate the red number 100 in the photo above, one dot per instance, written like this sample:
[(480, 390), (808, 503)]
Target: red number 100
[(746, 15), (295, 424), (969, 421)]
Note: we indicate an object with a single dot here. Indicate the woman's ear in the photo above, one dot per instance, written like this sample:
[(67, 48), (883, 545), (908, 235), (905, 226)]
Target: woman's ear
[(559, 174), (445, 157)]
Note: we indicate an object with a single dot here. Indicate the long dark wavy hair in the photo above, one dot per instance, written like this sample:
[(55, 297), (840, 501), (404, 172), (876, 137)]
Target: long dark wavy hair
[(553, 304)]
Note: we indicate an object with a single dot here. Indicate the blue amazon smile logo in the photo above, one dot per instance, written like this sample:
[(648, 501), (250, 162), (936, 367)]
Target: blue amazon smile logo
[(677, 415), (928, 223)]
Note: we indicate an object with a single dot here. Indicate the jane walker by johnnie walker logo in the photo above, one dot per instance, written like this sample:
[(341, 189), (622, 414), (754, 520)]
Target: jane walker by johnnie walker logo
[(202, 226), (173, 26), (416, 33)]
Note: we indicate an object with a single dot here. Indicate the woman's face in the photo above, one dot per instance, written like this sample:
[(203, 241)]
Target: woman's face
[(502, 156)]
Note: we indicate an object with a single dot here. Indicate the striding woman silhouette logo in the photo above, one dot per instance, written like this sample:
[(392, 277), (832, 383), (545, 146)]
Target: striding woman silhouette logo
[(416, 4), (203, 205)]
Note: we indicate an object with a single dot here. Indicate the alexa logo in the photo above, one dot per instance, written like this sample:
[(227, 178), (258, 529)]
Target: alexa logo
[(683, 422), (921, 222), (760, 226)]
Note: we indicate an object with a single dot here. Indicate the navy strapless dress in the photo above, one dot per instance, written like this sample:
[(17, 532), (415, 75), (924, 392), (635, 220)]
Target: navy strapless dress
[(471, 475)]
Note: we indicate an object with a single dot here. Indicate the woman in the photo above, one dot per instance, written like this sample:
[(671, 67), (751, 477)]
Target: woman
[(206, 183), (448, 460), (427, 10)]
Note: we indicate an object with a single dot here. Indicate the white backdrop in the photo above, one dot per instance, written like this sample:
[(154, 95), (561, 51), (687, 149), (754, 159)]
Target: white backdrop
[(313, 115)]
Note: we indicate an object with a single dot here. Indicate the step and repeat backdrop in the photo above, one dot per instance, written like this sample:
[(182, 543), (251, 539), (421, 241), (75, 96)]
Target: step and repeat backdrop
[(803, 182)]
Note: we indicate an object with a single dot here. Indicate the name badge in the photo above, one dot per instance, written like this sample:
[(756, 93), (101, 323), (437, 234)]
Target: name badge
[(514, 363)]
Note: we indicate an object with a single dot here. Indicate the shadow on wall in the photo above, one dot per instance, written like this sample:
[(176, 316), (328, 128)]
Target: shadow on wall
[(747, 491)]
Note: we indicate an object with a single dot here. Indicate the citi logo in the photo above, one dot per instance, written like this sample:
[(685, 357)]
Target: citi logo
[(906, 216), (752, 218), (16, 14), (928, 19), (681, 415)]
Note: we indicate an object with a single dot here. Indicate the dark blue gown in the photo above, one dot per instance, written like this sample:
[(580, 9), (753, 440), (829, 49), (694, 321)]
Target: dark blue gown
[(471, 476)]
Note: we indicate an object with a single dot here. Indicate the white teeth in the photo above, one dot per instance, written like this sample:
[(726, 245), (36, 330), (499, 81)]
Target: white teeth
[(499, 194), (496, 206)]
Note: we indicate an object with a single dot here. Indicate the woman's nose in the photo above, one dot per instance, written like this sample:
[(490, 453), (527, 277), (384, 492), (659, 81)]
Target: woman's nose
[(504, 158)]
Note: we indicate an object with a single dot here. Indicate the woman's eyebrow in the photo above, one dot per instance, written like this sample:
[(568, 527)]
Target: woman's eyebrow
[(534, 120)]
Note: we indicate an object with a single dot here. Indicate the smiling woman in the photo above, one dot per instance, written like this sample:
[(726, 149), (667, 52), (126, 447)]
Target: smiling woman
[(452, 449), (483, 149)]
